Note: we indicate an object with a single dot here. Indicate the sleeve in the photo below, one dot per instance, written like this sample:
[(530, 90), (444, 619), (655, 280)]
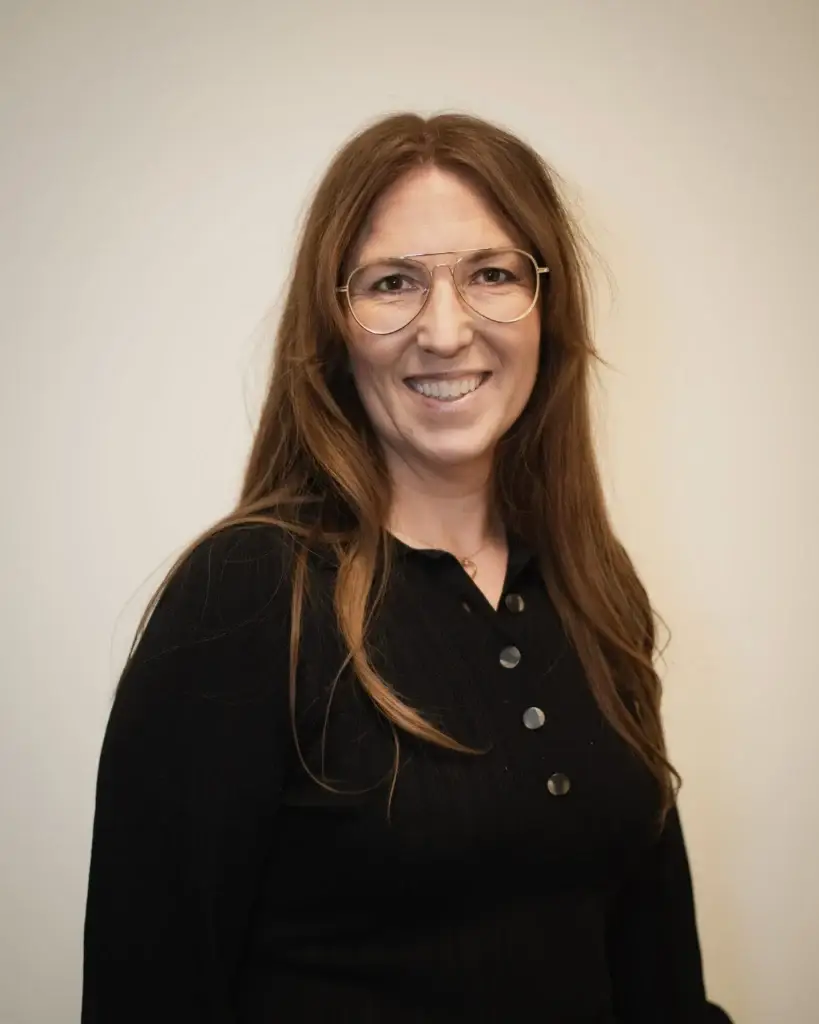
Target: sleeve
[(654, 948), (189, 781)]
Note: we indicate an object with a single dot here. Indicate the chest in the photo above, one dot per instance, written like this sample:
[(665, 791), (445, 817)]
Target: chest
[(549, 787)]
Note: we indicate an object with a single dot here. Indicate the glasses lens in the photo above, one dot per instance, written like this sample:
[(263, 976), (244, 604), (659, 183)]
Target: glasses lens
[(500, 284), (385, 296)]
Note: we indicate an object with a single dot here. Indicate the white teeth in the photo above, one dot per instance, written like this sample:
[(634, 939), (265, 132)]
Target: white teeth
[(446, 390)]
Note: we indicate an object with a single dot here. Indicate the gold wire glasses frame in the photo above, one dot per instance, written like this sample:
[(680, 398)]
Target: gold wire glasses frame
[(428, 277)]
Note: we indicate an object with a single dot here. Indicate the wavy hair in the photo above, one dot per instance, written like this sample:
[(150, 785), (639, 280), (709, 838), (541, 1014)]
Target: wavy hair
[(316, 471)]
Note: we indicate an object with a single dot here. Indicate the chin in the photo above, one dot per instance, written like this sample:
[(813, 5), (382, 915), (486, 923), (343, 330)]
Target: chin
[(452, 456)]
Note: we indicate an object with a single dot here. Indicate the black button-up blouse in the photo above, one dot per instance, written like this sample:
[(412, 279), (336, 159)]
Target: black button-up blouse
[(525, 882)]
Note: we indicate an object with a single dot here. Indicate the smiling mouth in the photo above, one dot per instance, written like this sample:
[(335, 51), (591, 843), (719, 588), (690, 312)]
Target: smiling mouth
[(447, 389)]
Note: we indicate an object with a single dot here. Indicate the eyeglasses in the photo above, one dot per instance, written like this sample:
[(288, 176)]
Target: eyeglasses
[(501, 285)]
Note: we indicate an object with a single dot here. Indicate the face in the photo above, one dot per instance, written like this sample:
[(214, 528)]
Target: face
[(407, 379)]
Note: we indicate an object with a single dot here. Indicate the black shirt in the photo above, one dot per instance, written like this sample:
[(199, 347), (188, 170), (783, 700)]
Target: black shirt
[(524, 882)]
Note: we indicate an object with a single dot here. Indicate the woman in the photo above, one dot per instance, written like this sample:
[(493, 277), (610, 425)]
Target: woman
[(389, 747)]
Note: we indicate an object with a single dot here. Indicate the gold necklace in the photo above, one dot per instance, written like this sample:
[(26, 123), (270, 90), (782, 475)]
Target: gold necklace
[(467, 563)]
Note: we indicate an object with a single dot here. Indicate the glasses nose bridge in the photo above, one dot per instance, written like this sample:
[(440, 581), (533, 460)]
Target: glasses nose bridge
[(451, 268), (430, 306)]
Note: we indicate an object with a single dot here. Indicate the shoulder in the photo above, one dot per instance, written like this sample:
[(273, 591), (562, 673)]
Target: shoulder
[(237, 552), (208, 672), (229, 578)]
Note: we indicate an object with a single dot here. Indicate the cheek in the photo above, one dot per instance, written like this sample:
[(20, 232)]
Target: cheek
[(371, 361), (521, 353), (362, 354)]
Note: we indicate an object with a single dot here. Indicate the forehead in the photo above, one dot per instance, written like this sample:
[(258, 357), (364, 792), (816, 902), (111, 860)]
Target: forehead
[(431, 210)]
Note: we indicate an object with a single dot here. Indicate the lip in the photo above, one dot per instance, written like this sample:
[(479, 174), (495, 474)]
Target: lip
[(449, 375), (450, 406)]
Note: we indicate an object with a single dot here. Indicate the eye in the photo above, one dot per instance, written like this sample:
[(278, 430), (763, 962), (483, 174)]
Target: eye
[(393, 283), (493, 275)]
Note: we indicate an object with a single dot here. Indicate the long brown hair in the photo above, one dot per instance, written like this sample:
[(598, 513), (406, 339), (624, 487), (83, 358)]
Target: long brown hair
[(316, 470)]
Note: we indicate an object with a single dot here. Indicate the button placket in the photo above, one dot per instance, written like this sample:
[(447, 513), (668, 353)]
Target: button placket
[(533, 719)]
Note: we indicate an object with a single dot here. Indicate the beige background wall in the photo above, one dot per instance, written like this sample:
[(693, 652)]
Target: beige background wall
[(155, 158)]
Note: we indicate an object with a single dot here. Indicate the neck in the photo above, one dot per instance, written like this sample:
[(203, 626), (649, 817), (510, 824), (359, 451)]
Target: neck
[(450, 509)]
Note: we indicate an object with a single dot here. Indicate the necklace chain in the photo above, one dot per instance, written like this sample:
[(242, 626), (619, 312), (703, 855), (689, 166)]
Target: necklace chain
[(467, 562)]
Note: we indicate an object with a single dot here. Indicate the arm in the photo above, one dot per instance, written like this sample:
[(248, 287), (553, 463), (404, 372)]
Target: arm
[(189, 779), (654, 948)]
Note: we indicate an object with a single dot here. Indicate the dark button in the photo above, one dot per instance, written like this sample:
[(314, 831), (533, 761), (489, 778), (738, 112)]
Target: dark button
[(514, 603), (533, 718), (467, 607), (509, 657), (559, 784)]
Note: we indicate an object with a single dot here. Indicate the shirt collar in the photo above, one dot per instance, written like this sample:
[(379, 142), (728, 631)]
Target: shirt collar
[(521, 555)]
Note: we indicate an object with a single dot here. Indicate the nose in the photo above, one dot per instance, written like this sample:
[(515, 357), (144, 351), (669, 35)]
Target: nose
[(446, 325)]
